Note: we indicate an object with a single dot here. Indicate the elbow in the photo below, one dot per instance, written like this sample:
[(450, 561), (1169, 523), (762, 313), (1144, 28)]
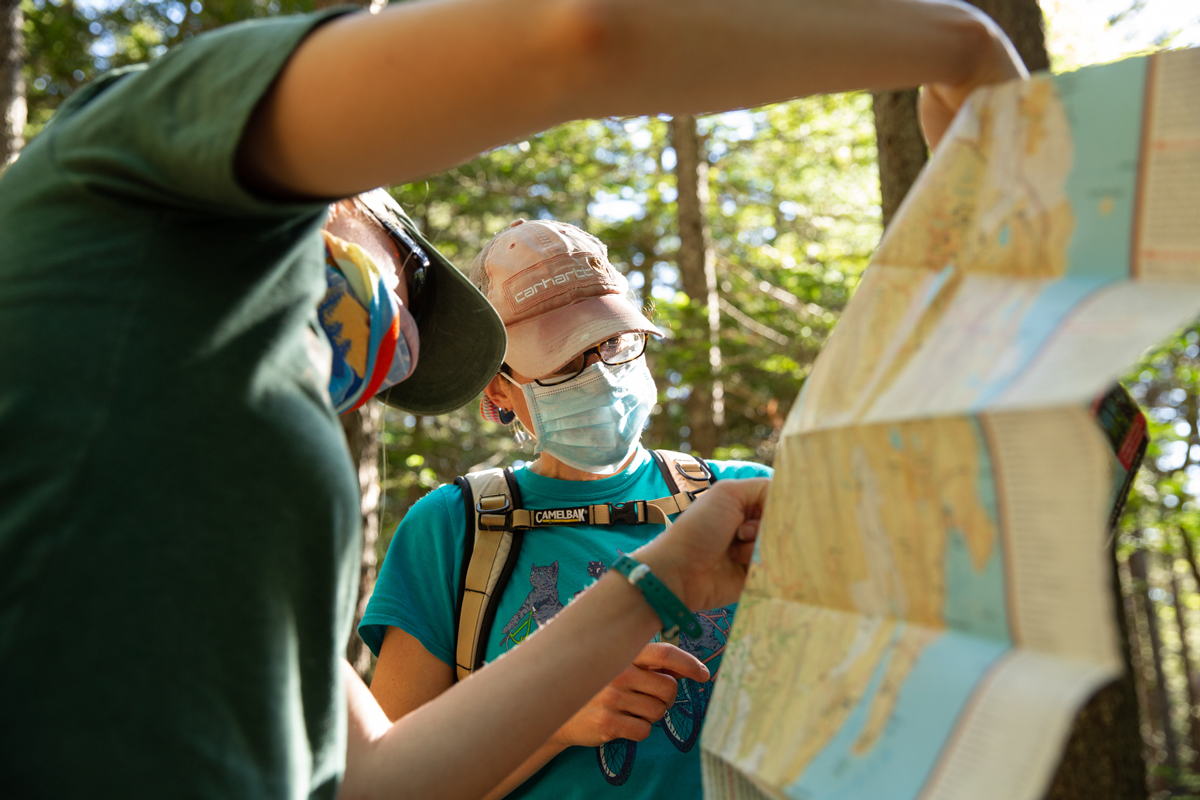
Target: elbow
[(590, 41), (984, 50), (589, 28)]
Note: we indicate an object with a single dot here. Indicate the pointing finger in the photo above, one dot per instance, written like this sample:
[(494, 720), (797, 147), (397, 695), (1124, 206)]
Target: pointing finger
[(663, 657)]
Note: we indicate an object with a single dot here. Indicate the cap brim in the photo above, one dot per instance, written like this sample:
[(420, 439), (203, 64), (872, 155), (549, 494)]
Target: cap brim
[(545, 343), (462, 344)]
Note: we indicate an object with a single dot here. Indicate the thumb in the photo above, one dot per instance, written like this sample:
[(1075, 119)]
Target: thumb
[(671, 660)]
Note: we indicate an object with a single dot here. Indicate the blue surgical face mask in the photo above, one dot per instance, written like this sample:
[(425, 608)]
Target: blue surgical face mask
[(593, 422)]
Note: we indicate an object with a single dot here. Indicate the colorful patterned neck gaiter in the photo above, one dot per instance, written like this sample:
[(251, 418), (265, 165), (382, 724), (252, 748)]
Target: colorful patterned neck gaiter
[(374, 338)]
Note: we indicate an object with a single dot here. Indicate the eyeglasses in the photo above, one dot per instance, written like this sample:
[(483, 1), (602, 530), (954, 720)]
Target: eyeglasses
[(617, 350), (415, 268)]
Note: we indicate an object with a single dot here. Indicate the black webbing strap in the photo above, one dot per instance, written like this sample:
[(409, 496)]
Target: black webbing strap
[(661, 463), (468, 546)]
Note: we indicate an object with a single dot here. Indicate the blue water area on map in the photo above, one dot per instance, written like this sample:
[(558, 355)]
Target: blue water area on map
[(1104, 109), (932, 696), (898, 763), (1042, 318), (985, 480), (939, 281), (975, 602)]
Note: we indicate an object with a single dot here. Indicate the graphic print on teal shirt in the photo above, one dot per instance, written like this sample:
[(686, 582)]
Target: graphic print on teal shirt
[(540, 605), (417, 592)]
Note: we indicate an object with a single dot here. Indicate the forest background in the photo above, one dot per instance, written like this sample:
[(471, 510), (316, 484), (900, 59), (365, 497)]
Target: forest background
[(746, 234)]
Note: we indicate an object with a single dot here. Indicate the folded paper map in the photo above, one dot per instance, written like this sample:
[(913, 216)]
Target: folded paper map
[(931, 600)]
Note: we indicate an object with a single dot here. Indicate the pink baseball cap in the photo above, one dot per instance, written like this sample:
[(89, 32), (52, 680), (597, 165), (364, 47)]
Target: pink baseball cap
[(556, 293)]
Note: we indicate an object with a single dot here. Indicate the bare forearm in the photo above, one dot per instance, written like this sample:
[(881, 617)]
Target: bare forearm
[(481, 730), (522, 773), (770, 50), (423, 86)]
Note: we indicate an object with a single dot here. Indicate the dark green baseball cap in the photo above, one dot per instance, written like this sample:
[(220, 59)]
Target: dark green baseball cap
[(462, 338)]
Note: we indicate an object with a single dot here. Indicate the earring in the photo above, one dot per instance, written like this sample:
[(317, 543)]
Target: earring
[(505, 416), (490, 411)]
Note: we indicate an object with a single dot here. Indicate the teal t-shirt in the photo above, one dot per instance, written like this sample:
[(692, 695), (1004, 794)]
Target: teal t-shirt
[(417, 591), (179, 517)]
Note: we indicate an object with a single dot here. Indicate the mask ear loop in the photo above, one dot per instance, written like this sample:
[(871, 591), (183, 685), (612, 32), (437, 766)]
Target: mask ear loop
[(520, 435)]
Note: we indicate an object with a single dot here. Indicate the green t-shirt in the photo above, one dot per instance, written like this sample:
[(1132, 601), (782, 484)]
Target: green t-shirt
[(179, 524)]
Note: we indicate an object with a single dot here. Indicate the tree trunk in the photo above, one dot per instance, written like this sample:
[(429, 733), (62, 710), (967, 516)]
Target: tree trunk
[(1136, 643), (1159, 709), (1190, 553), (12, 83), (363, 429), (1102, 759), (698, 274), (902, 150), (1189, 672)]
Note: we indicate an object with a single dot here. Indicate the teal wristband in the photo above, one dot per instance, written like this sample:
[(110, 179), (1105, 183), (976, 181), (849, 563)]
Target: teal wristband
[(670, 609)]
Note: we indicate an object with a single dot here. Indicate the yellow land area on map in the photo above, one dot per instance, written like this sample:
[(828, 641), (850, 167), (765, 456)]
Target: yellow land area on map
[(992, 204), (988, 208), (821, 610)]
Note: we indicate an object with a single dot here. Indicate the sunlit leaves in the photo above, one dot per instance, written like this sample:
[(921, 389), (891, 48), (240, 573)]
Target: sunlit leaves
[(1167, 385), (69, 42)]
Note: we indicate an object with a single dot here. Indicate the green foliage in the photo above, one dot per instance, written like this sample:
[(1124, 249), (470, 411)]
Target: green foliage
[(1166, 383), (68, 43)]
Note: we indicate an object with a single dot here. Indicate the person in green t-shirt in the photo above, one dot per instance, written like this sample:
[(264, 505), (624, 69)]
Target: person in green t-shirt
[(179, 524)]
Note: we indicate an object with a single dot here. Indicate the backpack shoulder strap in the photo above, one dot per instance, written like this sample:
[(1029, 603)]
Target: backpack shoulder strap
[(488, 561), (683, 471), (686, 476)]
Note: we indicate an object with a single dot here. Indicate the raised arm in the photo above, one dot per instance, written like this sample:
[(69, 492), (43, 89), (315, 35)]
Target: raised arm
[(462, 744), (374, 100)]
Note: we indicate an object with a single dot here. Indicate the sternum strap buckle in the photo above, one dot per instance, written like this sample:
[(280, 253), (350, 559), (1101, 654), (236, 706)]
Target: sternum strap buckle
[(632, 512)]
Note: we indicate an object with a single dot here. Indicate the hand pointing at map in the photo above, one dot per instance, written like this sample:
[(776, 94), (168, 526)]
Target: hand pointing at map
[(694, 556)]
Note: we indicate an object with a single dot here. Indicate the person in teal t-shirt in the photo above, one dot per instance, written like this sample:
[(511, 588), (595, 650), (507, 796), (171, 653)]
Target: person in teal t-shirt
[(569, 323)]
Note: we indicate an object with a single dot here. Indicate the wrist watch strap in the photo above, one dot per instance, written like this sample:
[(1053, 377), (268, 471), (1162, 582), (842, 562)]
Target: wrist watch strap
[(670, 609)]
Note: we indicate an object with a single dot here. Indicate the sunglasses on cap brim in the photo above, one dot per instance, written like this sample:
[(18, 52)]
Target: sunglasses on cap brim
[(415, 266)]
